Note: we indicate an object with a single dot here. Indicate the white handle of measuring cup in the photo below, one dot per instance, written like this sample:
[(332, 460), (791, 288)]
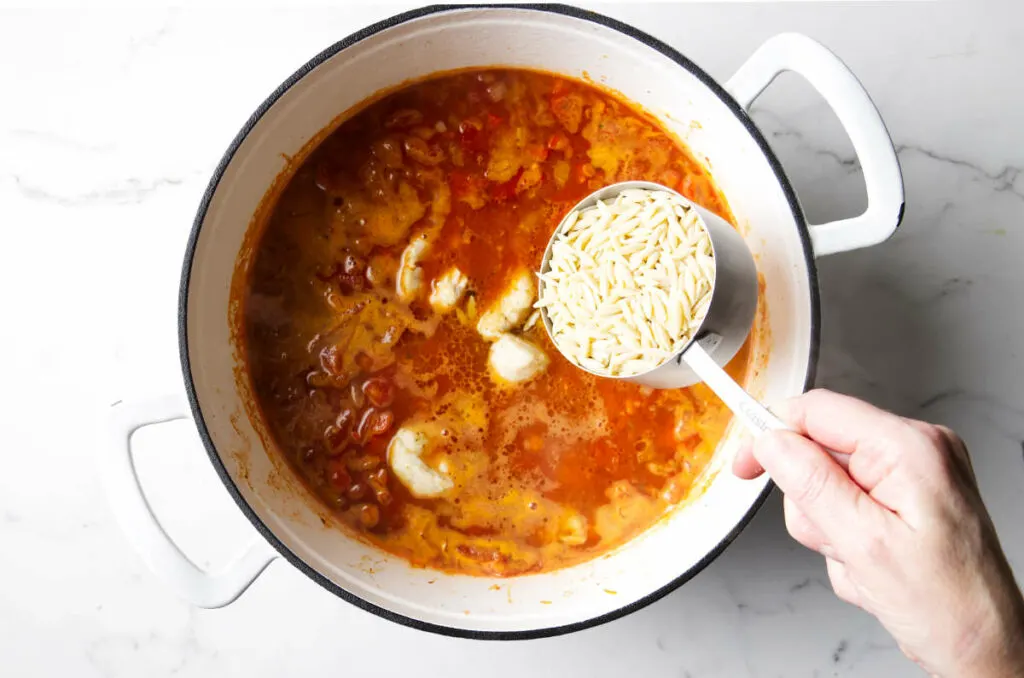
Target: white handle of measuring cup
[(859, 117), (140, 525), (755, 416)]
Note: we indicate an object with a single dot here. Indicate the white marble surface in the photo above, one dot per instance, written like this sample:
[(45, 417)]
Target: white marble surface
[(110, 125)]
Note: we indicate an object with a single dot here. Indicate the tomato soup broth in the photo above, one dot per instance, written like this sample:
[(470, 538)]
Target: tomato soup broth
[(392, 347)]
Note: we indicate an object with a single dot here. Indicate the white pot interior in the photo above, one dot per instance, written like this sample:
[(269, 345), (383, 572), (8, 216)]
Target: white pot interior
[(488, 37)]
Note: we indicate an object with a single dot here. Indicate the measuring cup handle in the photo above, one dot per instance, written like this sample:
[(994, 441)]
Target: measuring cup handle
[(755, 416)]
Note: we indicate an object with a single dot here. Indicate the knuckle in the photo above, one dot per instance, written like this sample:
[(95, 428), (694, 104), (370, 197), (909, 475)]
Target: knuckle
[(918, 427), (924, 445), (815, 397), (953, 440), (929, 449), (938, 448), (942, 439), (875, 550), (934, 436), (814, 484), (794, 411)]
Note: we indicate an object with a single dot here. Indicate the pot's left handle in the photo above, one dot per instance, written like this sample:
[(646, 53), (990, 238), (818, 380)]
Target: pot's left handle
[(140, 525), (859, 117)]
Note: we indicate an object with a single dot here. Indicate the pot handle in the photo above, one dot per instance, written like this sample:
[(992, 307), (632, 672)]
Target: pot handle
[(859, 117), (140, 525)]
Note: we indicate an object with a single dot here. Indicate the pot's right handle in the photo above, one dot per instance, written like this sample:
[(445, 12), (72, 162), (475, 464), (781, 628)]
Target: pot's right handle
[(858, 115), (142, 528)]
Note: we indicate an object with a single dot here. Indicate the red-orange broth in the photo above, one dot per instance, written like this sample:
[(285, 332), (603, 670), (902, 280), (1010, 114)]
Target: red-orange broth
[(480, 165)]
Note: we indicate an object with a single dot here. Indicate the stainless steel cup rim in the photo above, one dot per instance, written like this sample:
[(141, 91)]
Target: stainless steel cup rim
[(721, 341)]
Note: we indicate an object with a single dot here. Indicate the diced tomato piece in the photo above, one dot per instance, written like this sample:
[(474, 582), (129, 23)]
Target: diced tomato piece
[(471, 138), (671, 178), (364, 362), (558, 142), (582, 172), (379, 391), (470, 189), (494, 120), (568, 109), (538, 152), (529, 178), (363, 462), (374, 422), (360, 432), (356, 492), (405, 117), (459, 182), (561, 173), (334, 438), (696, 189), (502, 192), (369, 516), (331, 360), (690, 442), (345, 419), (463, 183), (339, 477), (378, 482), (378, 477), (381, 422), (687, 187)]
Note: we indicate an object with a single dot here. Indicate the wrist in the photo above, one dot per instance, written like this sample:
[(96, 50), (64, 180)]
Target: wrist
[(993, 648)]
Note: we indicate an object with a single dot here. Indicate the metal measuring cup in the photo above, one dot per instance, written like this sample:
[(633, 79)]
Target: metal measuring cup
[(733, 294)]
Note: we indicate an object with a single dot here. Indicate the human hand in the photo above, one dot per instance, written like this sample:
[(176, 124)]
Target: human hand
[(904, 531)]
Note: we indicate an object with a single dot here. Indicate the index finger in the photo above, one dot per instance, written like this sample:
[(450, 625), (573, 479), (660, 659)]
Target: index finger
[(875, 440), (820, 489), (841, 422)]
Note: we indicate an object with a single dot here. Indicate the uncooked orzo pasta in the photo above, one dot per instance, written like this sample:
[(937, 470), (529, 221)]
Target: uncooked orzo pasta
[(628, 283)]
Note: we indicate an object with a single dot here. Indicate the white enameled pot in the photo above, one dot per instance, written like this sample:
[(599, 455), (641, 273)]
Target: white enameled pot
[(709, 116)]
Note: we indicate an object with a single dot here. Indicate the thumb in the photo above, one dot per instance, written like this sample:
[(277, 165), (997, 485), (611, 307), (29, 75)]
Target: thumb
[(815, 483)]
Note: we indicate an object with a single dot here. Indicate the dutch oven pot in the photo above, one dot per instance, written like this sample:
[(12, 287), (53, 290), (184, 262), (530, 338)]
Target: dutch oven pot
[(710, 117)]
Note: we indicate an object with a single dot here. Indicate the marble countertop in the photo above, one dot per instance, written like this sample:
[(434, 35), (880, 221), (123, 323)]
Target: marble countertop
[(111, 122)]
